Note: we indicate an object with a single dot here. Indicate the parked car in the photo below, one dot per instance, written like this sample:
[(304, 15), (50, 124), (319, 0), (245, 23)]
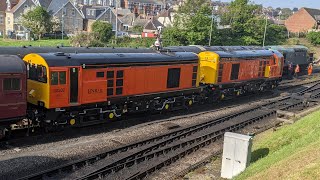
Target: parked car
[(55, 35)]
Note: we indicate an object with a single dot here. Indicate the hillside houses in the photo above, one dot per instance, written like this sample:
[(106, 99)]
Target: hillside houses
[(78, 15)]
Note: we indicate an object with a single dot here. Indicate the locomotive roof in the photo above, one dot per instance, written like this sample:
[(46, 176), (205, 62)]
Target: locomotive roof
[(293, 48), (11, 64), (244, 54), (198, 48), (22, 51), (62, 59)]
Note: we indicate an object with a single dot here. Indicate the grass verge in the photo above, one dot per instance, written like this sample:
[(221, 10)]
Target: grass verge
[(292, 152)]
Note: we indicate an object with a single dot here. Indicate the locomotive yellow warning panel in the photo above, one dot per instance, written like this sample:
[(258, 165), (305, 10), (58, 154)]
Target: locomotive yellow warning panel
[(209, 64)]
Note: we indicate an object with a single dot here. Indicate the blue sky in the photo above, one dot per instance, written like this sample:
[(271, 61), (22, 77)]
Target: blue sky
[(287, 3)]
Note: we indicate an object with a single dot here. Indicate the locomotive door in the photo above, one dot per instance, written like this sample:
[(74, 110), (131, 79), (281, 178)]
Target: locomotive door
[(74, 85)]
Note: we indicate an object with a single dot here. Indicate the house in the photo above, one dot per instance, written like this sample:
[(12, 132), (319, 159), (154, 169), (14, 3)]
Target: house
[(3, 8), (72, 20), (165, 17), (15, 9), (110, 3), (105, 14), (304, 20), (147, 7)]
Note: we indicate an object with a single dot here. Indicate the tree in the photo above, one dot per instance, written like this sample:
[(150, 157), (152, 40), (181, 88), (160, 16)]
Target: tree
[(314, 38), (192, 25), (248, 25), (37, 20), (286, 13), (102, 31)]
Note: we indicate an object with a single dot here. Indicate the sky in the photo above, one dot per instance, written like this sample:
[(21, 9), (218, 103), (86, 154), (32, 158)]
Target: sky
[(287, 3)]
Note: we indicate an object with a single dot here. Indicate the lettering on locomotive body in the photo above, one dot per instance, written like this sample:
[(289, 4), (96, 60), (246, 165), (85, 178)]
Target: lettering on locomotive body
[(60, 90), (95, 91)]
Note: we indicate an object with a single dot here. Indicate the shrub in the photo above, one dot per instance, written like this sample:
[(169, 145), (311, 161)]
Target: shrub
[(314, 38)]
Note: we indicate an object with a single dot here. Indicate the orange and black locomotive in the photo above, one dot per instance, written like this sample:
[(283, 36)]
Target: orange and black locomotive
[(84, 88)]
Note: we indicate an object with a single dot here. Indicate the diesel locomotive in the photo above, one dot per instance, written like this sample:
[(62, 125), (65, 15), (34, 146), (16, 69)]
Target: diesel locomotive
[(71, 89)]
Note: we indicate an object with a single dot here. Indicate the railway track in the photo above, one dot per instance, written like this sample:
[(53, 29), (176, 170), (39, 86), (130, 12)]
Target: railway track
[(138, 160), (21, 141)]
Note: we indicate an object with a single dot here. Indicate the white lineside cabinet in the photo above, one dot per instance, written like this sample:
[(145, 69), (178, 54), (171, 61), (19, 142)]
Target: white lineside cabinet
[(236, 154)]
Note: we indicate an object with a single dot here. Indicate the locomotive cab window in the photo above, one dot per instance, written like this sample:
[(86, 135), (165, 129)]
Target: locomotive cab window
[(58, 78), (37, 73), (173, 80), (11, 84), (235, 71)]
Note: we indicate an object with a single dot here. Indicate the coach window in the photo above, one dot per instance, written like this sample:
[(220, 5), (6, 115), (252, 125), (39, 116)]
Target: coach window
[(11, 84)]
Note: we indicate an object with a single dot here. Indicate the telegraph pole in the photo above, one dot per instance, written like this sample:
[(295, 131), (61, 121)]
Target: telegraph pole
[(116, 4), (211, 26), (62, 23), (265, 31)]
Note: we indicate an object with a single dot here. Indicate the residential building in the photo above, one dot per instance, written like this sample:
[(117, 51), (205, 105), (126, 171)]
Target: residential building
[(304, 20), (110, 3), (72, 20), (147, 7), (3, 8), (14, 12), (105, 14), (165, 17)]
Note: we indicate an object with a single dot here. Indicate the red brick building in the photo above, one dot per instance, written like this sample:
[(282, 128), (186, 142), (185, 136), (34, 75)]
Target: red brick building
[(304, 20)]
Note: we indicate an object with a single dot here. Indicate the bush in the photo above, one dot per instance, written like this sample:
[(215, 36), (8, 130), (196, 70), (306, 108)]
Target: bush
[(85, 39), (102, 31), (314, 38)]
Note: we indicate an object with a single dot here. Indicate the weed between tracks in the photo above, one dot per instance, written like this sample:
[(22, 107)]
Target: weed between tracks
[(292, 152)]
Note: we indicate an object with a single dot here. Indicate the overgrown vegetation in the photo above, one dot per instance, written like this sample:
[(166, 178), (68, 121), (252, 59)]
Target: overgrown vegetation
[(39, 21), (102, 31), (192, 25), (289, 153), (100, 36), (247, 26), (38, 43), (314, 38)]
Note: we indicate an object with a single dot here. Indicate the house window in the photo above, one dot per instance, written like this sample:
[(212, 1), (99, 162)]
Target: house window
[(1, 19), (173, 80), (11, 84), (73, 12), (64, 11)]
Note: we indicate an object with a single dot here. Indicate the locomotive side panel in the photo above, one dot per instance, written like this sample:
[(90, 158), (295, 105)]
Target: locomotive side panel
[(99, 84)]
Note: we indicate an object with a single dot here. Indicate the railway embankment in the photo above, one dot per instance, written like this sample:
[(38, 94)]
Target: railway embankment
[(290, 152)]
